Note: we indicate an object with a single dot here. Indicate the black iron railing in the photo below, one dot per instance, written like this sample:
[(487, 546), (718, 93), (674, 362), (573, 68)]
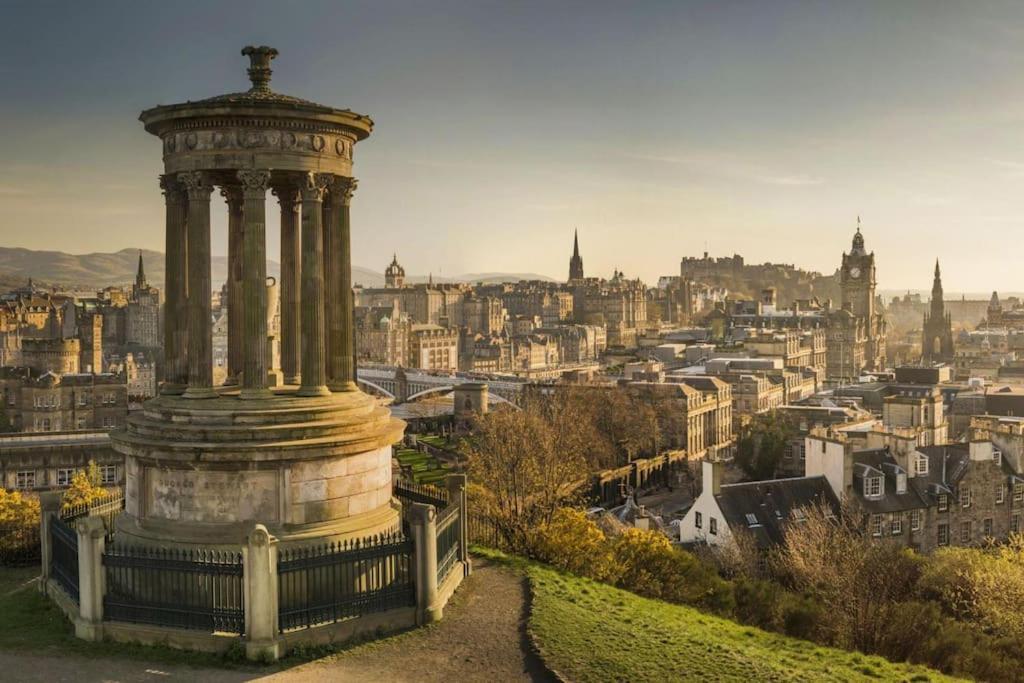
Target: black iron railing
[(19, 544), (198, 589), (411, 492), (107, 508), (337, 581), (484, 531), (449, 533), (64, 556)]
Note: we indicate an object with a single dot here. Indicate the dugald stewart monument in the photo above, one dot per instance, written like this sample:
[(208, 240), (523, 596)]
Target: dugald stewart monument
[(260, 510)]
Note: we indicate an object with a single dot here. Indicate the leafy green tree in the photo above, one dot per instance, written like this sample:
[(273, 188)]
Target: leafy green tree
[(762, 444)]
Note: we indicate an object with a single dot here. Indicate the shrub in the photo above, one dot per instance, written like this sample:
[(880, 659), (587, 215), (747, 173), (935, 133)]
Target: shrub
[(575, 544), (650, 566), (85, 488)]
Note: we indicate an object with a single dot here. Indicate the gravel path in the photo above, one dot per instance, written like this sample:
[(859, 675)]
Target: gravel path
[(481, 638)]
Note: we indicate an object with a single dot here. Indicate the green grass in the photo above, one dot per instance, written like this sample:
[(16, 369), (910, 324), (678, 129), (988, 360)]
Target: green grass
[(29, 621), (589, 631), (423, 467)]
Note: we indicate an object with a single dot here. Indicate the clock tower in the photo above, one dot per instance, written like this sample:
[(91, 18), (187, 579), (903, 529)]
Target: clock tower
[(857, 278), (857, 331)]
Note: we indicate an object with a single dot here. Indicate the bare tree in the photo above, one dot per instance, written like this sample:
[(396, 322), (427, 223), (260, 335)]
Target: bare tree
[(524, 464)]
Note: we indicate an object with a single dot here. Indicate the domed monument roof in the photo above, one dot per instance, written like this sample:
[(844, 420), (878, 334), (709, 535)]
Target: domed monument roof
[(286, 132)]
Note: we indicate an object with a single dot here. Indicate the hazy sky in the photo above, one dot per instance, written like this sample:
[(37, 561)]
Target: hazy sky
[(762, 128)]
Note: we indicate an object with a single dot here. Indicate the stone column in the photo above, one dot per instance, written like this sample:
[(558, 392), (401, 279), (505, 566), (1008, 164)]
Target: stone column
[(91, 578), (424, 533), (254, 288), (176, 294), (49, 507), (341, 347), (200, 342), (233, 196), (332, 318), (314, 370), (259, 557), (291, 248), (456, 485)]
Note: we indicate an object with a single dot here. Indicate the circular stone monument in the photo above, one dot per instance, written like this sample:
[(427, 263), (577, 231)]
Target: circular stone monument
[(310, 459)]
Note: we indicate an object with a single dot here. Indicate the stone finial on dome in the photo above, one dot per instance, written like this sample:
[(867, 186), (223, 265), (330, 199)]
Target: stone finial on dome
[(259, 66)]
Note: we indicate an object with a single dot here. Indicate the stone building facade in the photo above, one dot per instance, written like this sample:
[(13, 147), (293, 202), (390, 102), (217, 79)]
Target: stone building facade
[(432, 347), (42, 462)]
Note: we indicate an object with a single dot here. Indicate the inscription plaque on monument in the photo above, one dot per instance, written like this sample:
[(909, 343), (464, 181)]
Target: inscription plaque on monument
[(205, 496)]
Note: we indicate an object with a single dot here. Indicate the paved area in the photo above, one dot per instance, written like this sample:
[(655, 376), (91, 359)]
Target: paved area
[(482, 638)]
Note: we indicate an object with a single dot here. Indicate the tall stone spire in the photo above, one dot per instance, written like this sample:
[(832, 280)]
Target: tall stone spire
[(937, 335), (576, 262), (938, 305), (140, 274)]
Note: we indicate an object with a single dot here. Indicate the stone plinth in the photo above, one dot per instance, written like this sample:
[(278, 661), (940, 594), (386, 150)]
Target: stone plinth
[(308, 468)]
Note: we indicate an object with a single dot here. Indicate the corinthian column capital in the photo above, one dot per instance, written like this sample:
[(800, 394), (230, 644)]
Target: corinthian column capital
[(348, 189), (197, 184), (314, 186), (287, 195), (173, 190), (254, 182)]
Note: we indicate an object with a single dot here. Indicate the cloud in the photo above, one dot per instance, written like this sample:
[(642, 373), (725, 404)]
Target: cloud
[(728, 166), (791, 180)]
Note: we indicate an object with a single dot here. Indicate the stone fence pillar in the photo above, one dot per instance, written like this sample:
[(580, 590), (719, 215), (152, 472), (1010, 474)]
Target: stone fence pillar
[(259, 561), (49, 507), (91, 579), (424, 535), (456, 485)]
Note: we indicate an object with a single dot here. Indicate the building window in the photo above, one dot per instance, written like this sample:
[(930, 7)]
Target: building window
[(943, 502), (751, 519), (108, 475), (873, 487), (943, 534), (896, 526), (965, 496), (876, 525), (1018, 493), (25, 480), (64, 476), (1015, 523), (698, 520), (986, 526), (713, 526), (915, 520), (965, 532), (1000, 493)]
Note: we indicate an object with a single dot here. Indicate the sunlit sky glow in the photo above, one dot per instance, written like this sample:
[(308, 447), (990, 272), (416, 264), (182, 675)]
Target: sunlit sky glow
[(657, 129)]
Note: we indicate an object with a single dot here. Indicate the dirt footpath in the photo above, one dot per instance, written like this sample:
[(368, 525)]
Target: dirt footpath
[(482, 638)]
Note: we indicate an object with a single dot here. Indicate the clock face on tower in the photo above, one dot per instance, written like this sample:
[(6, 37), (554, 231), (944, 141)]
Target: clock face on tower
[(855, 272)]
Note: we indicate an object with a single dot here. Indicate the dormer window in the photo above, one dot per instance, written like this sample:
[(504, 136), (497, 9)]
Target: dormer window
[(872, 487), (751, 519), (921, 465), (997, 457), (798, 515), (901, 482)]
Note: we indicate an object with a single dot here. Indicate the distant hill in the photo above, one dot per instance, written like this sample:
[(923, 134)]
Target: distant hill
[(98, 270)]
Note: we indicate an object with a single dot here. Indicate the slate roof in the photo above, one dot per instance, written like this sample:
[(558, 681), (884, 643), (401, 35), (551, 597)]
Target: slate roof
[(877, 462), (771, 503)]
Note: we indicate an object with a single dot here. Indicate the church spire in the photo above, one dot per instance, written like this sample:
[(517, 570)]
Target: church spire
[(576, 262), (140, 276)]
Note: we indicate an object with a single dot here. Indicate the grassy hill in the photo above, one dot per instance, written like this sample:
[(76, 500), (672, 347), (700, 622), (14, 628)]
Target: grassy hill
[(589, 631)]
